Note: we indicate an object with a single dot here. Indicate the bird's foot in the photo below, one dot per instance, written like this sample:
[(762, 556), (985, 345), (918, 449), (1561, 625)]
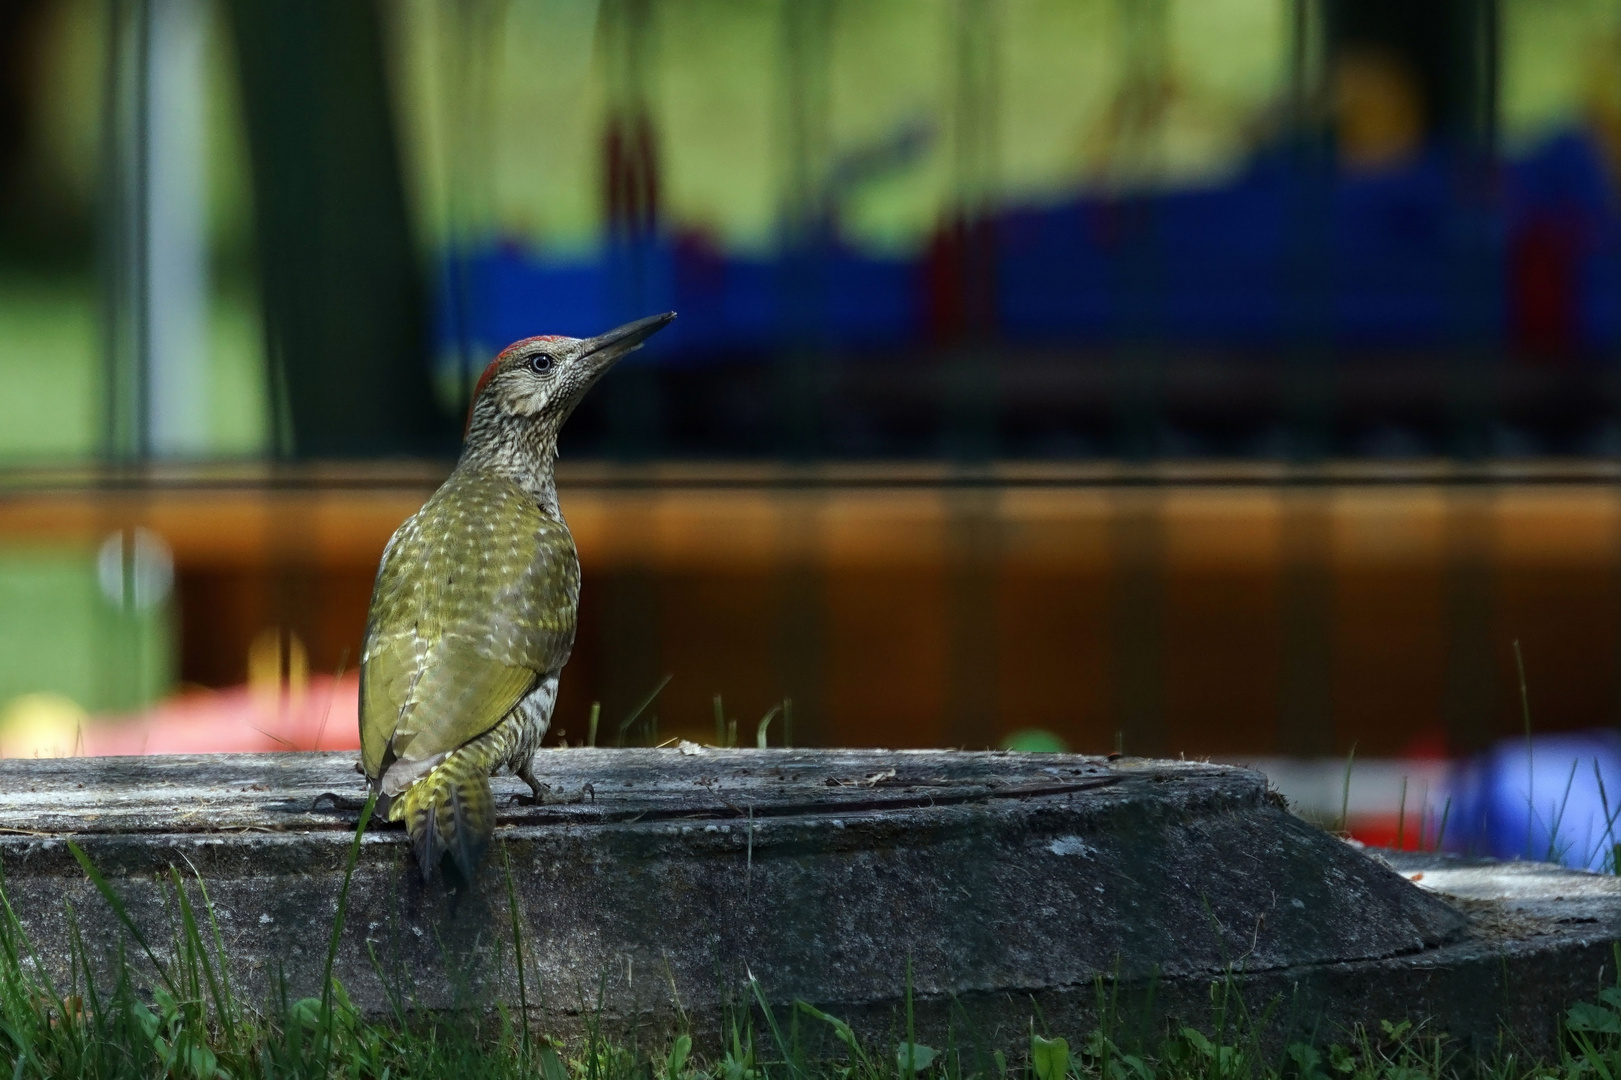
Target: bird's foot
[(543, 796), (537, 798)]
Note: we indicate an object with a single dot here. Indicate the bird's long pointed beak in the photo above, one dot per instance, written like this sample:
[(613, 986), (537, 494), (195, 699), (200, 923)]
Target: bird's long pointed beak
[(606, 348)]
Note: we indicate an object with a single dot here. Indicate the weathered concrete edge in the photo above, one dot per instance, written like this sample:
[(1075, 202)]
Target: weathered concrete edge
[(1491, 997), (1492, 993)]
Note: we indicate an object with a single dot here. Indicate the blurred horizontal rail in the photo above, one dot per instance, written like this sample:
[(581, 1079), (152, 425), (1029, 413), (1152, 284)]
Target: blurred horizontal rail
[(718, 518), (1231, 609), (411, 474)]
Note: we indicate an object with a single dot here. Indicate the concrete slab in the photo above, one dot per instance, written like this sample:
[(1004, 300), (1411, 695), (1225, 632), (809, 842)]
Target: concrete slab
[(1003, 881)]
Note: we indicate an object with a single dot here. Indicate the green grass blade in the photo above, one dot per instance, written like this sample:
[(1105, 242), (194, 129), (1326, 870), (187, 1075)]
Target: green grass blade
[(1530, 770), (1345, 792), (116, 902), (624, 725), (337, 923), (517, 948), (1401, 816), (1607, 842), (395, 1003), (1441, 833), (789, 1058), (765, 723), (194, 943), (223, 964), (1554, 854)]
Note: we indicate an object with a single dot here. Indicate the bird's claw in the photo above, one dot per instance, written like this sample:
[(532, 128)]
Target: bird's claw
[(544, 797)]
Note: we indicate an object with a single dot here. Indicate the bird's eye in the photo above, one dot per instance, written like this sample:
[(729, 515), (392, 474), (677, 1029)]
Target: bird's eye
[(540, 363)]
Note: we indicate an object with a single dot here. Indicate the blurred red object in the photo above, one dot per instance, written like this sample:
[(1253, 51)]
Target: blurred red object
[(323, 714)]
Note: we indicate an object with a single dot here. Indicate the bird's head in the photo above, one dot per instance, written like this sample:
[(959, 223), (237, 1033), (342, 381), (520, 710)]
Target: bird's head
[(535, 383)]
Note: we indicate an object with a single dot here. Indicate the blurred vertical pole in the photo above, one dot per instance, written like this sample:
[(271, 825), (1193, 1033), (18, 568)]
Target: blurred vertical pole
[(1611, 385), (968, 336), (1305, 713), (632, 621), (122, 639), (1137, 534), (344, 297), (807, 226), (1471, 675), (807, 221), (154, 261), (1307, 272), (631, 178), (471, 66), (632, 181), (1612, 416), (1139, 102), (1477, 251), (973, 559), (120, 438), (123, 233), (1137, 539), (1470, 522), (965, 254), (1306, 698), (174, 218), (800, 647), (344, 293)]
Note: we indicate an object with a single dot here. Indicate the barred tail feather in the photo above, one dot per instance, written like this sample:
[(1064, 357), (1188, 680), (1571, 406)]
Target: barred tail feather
[(450, 810)]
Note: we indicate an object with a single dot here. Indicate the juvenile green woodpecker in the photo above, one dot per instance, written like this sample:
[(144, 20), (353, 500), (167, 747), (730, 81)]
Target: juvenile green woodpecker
[(473, 610)]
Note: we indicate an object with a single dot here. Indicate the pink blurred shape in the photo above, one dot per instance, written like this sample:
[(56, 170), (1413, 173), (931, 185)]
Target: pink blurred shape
[(322, 715)]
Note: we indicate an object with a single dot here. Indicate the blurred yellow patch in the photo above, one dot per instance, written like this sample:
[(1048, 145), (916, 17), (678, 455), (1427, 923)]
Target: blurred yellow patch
[(40, 725)]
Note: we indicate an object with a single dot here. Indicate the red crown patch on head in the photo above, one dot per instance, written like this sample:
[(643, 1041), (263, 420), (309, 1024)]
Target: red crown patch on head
[(529, 341), (489, 370)]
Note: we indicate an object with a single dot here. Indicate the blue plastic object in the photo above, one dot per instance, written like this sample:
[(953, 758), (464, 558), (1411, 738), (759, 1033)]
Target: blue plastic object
[(1557, 800), (1440, 250)]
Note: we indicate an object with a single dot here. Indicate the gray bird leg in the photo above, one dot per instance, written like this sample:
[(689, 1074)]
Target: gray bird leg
[(526, 773), (542, 794)]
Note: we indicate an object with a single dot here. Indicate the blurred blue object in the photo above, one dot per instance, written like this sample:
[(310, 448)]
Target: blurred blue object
[(1442, 249), (1557, 799)]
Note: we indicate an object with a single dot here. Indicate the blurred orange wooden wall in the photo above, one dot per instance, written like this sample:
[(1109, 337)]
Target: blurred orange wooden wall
[(1206, 613)]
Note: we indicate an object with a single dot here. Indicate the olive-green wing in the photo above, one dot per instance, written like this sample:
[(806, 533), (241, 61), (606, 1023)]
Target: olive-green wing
[(475, 601), (455, 695), (389, 653), (386, 671)]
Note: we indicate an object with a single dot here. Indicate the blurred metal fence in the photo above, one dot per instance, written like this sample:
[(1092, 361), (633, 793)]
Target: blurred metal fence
[(1451, 297), (1428, 292)]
